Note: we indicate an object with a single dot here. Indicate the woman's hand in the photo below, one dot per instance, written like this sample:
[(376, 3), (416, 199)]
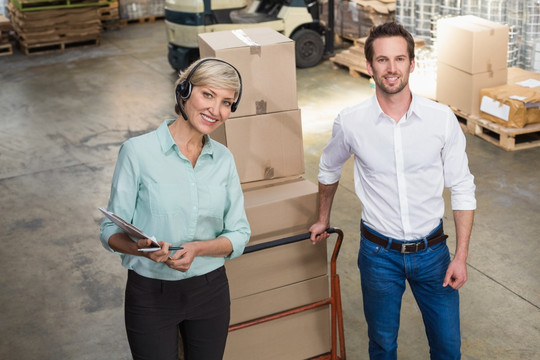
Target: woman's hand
[(181, 260), (161, 255)]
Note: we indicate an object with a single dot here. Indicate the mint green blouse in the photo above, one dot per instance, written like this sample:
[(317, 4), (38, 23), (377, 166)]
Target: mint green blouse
[(157, 189)]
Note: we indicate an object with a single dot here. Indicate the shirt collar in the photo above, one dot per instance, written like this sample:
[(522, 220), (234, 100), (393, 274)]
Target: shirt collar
[(381, 115), (167, 142), (413, 108)]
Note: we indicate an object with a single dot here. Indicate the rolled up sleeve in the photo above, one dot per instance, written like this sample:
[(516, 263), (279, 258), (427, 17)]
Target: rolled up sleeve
[(123, 194), (457, 176), (237, 228)]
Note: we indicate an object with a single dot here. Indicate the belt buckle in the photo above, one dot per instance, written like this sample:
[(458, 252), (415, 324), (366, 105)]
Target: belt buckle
[(404, 248)]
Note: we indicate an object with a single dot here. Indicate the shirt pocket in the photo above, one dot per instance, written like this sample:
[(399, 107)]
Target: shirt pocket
[(167, 198), (213, 202)]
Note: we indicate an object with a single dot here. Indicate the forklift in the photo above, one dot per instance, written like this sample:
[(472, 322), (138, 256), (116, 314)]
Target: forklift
[(296, 19)]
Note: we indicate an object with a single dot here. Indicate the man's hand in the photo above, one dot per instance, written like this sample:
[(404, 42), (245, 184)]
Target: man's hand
[(318, 232), (456, 274)]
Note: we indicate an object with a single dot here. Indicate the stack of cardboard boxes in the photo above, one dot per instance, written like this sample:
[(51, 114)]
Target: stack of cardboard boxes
[(471, 55), (265, 137), (5, 28), (43, 27)]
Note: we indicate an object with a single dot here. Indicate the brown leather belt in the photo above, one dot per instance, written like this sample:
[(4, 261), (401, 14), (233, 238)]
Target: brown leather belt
[(408, 246)]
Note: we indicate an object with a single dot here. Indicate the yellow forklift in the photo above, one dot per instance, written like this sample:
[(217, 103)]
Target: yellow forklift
[(296, 19)]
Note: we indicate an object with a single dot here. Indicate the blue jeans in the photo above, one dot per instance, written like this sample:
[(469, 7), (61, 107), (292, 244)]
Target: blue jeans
[(383, 273)]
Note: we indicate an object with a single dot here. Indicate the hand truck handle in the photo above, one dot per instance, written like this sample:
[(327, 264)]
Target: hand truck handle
[(283, 241)]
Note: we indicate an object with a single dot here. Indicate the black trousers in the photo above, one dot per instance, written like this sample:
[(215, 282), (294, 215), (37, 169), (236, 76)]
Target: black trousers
[(198, 307)]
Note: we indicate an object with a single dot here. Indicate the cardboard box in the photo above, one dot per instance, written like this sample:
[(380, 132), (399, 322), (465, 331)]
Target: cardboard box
[(280, 299), (264, 146), (276, 267), (299, 336), (472, 44), (461, 90), (266, 62), (279, 209), (511, 105), (516, 75), (276, 210), (280, 278)]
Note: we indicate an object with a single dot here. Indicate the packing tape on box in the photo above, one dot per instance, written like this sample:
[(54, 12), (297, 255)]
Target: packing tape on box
[(260, 107), (254, 48)]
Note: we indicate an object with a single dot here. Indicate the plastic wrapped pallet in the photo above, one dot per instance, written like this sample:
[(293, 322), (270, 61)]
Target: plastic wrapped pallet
[(156, 7), (132, 9), (137, 9)]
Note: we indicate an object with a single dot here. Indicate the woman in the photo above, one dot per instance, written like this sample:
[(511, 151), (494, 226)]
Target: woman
[(181, 187)]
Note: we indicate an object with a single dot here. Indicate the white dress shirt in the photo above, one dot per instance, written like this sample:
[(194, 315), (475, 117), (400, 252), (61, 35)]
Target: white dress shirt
[(401, 169)]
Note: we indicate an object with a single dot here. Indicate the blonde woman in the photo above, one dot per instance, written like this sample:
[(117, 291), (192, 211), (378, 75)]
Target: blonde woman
[(181, 186)]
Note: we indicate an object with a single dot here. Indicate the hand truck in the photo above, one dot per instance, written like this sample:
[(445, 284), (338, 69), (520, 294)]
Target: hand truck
[(334, 300)]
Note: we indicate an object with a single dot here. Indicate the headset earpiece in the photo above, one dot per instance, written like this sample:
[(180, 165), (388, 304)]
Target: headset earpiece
[(183, 90)]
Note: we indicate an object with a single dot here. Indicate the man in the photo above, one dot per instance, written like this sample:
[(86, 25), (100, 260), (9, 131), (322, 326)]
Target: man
[(406, 150)]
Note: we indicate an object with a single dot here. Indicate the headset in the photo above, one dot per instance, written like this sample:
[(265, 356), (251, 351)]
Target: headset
[(183, 90)]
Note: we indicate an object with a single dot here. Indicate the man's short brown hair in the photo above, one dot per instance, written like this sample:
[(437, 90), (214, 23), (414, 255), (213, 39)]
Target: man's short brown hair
[(387, 30)]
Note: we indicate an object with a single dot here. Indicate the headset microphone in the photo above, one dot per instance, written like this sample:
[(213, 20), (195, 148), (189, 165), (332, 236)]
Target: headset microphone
[(177, 93), (183, 90)]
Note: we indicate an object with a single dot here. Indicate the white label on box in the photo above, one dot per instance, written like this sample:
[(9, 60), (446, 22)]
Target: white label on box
[(530, 83), (516, 97), (495, 108)]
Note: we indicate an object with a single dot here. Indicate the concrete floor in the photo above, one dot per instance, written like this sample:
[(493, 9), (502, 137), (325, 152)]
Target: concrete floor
[(63, 117)]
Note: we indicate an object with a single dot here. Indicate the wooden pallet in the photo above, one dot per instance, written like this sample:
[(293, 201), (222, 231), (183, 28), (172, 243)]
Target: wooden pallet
[(510, 139), (141, 20), (6, 49), (37, 5), (351, 60), (354, 70), (57, 46), (467, 121), (109, 12)]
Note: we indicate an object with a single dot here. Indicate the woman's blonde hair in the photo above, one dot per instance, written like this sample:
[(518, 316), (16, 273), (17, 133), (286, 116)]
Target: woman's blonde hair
[(218, 73)]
